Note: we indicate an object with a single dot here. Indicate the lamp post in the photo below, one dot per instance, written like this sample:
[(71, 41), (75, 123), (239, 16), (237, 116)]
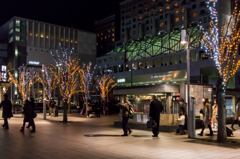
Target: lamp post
[(44, 105), (185, 39)]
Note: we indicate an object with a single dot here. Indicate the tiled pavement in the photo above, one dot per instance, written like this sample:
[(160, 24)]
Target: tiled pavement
[(97, 138)]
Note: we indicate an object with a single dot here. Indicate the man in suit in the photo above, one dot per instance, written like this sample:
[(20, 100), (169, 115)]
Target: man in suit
[(155, 109), (7, 110)]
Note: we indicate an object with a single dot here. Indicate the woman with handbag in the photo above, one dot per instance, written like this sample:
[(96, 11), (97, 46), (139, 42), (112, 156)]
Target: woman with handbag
[(214, 114), (28, 116), (206, 111)]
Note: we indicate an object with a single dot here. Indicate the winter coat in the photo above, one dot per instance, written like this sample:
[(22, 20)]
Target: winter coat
[(207, 114), (183, 108), (155, 109), (125, 108), (28, 112), (237, 115), (214, 113), (7, 108), (52, 104), (181, 120)]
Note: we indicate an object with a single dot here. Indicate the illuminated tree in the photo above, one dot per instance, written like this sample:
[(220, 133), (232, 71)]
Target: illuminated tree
[(223, 50), (26, 78), (105, 84), (65, 73), (86, 78)]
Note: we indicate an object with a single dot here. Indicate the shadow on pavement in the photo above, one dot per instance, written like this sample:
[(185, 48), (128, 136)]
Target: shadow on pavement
[(141, 135), (231, 143), (102, 135)]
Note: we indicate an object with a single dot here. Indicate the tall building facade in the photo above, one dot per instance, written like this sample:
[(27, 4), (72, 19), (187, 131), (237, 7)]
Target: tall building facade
[(150, 59), (29, 43), (105, 30)]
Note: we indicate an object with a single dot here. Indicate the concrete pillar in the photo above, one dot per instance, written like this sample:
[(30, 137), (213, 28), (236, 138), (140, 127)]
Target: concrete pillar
[(38, 83), (33, 95), (183, 90), (168, 103)]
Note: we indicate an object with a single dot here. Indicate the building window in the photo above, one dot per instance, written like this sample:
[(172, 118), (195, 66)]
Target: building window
[(177, 11), (17, 38), (17, 29), (147, 22), (109, 36), (109, 31), (97, 44), (194, 14), (134, 19), (11, 31), (101, 33), (161, 17), (112, 29), (134, 13), (101, 38), (98, 35), (161, 24), (153, 13), (168, 8), (105, 37), (177, 20), (122, 35), (134, 32), (112, 34), (17, 22), (140, 18), (160, 10), (147, 28), (113, 39), (183, 9), (122, 24), (194, 6), (182, 17), (167, 1), (11, 40), (123, 30), (175, 5)]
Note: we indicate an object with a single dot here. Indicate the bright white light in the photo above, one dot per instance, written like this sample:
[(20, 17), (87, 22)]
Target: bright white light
[(34, 62)]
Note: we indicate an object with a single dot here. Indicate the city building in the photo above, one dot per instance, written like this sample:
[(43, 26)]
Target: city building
[(150, 59), (30, 41), (105, 30)]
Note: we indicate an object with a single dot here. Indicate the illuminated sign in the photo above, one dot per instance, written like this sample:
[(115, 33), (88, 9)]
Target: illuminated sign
[(34, 62), (121, 80), (161, 76)]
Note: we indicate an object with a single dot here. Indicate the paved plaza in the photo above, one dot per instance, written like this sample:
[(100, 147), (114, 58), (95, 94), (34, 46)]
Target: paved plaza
[(89, 138)]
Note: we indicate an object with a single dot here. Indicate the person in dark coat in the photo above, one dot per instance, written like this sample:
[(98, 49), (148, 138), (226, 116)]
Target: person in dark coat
[(98, 108), (155, 109), (28, 116), (34, 114), (125, 116), (183, 108), (52, 106), (7, 110)]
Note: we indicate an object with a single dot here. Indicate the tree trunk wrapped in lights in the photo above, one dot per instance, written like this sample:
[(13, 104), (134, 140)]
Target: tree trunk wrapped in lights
[(105, 84), (24, 81), (67, 76), (223, 51), (49, 83), (86, 77)]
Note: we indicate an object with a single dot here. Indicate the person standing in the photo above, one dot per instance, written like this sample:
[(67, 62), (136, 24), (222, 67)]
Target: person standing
[(34, 114), (237, 114), (214, 114), (155, 109), (52, 106), (126, 106), (7, 110), (206, 117), (28, 116), (183, 108), (98, 108)]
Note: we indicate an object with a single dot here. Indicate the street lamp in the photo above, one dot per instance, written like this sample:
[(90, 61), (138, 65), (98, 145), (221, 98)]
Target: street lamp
[(43, 98), (185, 39)]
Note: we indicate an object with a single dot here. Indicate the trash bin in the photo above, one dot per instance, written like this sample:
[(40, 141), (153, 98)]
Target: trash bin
[(55, 114)]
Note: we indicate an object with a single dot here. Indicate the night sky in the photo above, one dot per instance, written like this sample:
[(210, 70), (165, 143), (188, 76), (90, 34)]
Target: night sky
[(79, 14)]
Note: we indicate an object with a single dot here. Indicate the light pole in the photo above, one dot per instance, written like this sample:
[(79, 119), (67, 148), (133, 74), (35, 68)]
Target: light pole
[(44, 105), (185, 39)]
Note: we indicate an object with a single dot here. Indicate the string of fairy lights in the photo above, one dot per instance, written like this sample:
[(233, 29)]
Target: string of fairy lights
[(223, 49)]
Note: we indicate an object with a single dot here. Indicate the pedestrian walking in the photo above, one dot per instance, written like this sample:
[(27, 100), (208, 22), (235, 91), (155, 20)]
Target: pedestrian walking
[(183, 108), (206, 111), (126, 107), (34, 114), (155, 109), (214, 114), (237, 114), (98, 108), (52, 106), (109, 107), (28, 116), (7, 110)]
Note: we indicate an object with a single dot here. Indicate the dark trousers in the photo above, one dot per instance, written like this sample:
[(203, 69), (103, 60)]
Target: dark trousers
[(31, 123), (234, 122), (185, 127), (155, 129), (5, 122), (209, 126), (125, 125), (181, 128), (98, 113)]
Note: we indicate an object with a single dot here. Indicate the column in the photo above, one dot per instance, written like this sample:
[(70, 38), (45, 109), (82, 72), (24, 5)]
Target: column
[(183, 90), (168, 103), (33, 95), (38, 88)]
